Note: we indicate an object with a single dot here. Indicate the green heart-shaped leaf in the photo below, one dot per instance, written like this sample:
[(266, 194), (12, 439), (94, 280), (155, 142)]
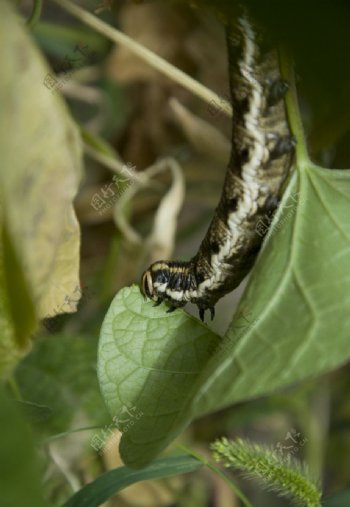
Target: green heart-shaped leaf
[(295, 301)]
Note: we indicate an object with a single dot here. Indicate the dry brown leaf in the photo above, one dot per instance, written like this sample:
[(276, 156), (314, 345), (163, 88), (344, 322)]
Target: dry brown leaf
[(40, 171)]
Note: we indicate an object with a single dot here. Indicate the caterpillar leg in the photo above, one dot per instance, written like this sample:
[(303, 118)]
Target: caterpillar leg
[(202, 312), (174, 305), (272, 203), (282, 146), (276, 91)]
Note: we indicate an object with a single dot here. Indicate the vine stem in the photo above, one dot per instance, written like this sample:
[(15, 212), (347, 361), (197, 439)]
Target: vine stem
[(36, 13), (293, 110), (147, 55), (218, 472), (67, 433)]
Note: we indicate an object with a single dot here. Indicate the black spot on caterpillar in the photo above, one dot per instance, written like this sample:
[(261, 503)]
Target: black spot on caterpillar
[(261, 155)]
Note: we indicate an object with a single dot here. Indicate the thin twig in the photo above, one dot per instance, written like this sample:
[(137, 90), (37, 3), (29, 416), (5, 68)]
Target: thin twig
[(147, 55), (36, 13), (69, 432), (115, 165)]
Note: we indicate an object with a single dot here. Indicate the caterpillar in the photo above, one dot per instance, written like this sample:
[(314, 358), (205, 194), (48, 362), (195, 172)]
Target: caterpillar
[(261, 156)]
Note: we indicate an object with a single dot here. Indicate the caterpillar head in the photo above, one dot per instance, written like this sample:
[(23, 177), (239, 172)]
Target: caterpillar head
[(175, 283), (170, 281), (155, 279)]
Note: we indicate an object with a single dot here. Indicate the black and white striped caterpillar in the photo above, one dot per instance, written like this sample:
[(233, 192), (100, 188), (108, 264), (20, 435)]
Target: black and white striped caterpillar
[(261, 155)]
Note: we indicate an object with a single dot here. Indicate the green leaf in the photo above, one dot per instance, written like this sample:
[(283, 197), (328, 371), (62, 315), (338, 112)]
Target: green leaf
[(60, 374), (20, 482), (296, 299), (298, 295), (108, 484), (148, 362), (11, 344), (18, 293), (35, 412)]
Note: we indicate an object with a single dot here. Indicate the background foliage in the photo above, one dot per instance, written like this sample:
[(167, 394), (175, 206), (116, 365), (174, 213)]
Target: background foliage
[(264, 369)]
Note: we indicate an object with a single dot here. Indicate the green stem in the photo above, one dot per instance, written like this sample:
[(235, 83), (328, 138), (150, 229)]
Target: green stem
[(66, 433), (293, 110), (313, 420), (145, 54), (36, 13), (218, 472)]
